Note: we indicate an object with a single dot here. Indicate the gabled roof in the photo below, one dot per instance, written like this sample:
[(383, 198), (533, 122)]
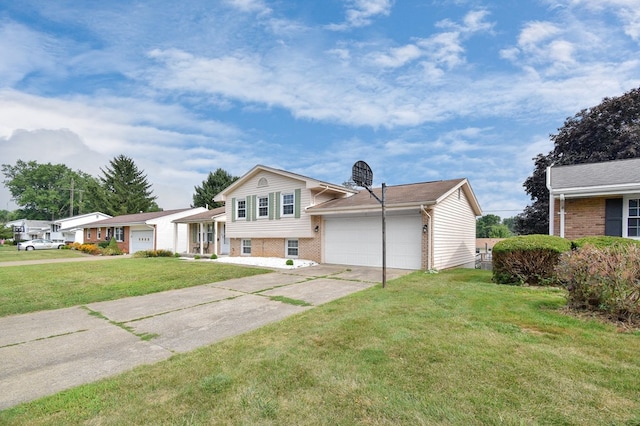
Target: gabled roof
[(205, 216), (400, 196), (80, 216), (609, 177), (132, 219), (310, 183)]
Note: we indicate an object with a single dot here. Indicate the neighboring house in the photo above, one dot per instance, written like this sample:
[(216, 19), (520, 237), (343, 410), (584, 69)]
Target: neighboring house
[(70, 229), (484, 246), (27, 229), (595, 199), (207, 233), (272, 212), (142, 231)]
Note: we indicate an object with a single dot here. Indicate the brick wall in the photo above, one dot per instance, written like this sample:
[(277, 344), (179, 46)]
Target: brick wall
[(583, 217), (308, 248), (123, 245)]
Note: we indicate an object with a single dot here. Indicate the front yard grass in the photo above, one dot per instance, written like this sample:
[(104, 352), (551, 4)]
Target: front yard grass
[(10, 253), (40, 287), (449, 348)]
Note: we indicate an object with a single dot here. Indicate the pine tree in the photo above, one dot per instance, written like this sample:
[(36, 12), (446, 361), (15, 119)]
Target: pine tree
[(215, 183), (124, 189)]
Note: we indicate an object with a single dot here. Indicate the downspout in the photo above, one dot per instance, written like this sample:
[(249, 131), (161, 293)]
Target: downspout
[(562, 215), (429, 245), (552, 206), (201, 239)]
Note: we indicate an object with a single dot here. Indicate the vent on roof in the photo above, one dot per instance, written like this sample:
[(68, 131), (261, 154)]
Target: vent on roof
[(263, 182)]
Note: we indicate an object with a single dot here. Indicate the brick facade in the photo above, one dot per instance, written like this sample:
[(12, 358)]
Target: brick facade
[(583, 217), (91, 237), (308, 248)]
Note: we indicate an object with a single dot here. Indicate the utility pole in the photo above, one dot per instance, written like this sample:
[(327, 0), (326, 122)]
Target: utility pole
[(71, 201)]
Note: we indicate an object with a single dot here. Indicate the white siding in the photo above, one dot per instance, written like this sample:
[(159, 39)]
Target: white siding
[(285, 227), (454, 227), (166, 238)]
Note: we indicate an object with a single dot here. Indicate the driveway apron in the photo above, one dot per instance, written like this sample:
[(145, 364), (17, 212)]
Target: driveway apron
[(46, 352)]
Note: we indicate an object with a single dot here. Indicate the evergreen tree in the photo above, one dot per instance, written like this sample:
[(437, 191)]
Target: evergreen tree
[(609, 131), (123, 189), (214, 184)]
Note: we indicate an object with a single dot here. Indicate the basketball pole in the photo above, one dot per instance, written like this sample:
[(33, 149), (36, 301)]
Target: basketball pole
[(384, 239)]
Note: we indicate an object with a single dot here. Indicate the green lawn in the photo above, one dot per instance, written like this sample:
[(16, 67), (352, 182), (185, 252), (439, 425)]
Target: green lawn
[(10, 253), (58, 285), (448, 348)]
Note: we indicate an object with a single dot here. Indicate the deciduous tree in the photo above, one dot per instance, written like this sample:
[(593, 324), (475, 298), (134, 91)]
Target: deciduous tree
[(608, 131)]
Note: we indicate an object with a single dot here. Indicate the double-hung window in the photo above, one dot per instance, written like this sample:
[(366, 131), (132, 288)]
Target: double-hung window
[(292, 248), (241, 209), (119, 234), (287, 204), (88, 233), (246, 247), (633, 219), (263, 206)]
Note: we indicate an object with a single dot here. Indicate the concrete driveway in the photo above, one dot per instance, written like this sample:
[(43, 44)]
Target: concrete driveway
[(46, 352)]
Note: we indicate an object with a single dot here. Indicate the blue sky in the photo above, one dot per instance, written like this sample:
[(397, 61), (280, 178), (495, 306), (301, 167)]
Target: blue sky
[(420, 90)]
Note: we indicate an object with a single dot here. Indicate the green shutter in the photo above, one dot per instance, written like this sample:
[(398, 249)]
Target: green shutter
[(298, 192), (233, 210), (272, 204), (254, 208), (247, 206), (277, 205)]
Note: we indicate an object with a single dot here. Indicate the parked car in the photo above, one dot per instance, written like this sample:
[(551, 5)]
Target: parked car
[(39, 244)]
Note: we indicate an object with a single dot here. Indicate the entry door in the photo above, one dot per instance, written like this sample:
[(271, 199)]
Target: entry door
[(224, 241)]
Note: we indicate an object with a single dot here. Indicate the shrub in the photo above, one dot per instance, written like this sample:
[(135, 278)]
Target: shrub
[(602, 241), (90, 249), (528, 259), (176, 254), (289, 262), (76, 246), (196, 257), (603, 279), (104, 244), (112, 249), (153, 253), (214, 256)]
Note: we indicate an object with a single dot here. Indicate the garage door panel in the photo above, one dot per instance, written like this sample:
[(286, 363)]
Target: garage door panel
[(141, 240), (358, 241)]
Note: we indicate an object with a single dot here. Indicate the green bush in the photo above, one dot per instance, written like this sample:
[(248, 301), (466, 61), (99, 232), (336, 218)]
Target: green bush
[(176, 254), (528, 259), (603, 279), (104, 244), (289, 262), (214, 256), (112, 249), (602, 241), (196, 257), (153, 253)]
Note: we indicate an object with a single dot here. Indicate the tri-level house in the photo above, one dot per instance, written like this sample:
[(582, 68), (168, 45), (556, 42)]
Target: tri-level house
[(276, 213)]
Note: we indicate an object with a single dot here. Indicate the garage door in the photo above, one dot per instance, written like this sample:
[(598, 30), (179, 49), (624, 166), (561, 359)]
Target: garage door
[(358, 241), (141, 240)]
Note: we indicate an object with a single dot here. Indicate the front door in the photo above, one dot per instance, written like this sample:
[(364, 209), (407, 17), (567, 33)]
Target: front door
[(224, 241)]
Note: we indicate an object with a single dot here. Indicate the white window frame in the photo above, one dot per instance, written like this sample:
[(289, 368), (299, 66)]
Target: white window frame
[(243, 209), (99, 233), (264, 207), (626, 216), (116, 231), (292, 204), (245, 247), (88, 233), (287, 247)]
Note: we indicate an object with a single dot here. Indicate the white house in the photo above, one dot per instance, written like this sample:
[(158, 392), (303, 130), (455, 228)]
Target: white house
[(70, 229), (430, 225)]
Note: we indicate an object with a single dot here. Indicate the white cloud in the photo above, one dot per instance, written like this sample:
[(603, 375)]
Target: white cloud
[(360, 13)]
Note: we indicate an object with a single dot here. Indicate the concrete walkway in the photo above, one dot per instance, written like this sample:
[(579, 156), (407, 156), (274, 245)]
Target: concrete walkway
[(46, 352)]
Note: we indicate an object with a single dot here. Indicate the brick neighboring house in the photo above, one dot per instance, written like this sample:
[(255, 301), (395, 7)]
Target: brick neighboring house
[(595, 199), (275, 213), (142, 231)]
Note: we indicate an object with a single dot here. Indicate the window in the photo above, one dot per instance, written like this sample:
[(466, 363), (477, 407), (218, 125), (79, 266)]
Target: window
[(88, 233), (263, 182), (241, 209), (99, 233), (287, 204), (246, 247), (209, 237), (292, 248), (633, 221), (263, 206), (119, 234)]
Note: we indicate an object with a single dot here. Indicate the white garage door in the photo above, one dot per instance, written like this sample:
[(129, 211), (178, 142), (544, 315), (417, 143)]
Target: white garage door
[(141, 240), (358, 241)]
